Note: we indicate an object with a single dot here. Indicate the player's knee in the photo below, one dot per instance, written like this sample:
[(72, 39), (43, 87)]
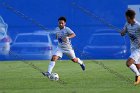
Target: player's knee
[(138, 66), (75, 60), (54, 58), (129, 62)]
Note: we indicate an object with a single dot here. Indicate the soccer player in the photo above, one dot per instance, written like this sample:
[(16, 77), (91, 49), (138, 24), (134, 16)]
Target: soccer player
[(132, 28), (63, 35)]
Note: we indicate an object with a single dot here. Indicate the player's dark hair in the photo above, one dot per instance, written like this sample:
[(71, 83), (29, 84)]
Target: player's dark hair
[(62, 18), (130, 13)]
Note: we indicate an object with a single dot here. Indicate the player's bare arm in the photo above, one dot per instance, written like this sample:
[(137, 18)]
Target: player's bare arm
[(71, 35), (68, 37), (123, 32)]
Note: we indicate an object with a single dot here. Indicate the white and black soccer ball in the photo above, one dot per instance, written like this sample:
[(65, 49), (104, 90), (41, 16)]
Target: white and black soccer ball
[(54, 76)]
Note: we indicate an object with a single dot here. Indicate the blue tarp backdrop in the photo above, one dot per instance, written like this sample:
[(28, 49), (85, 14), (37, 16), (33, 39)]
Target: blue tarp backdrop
[(95, 23)]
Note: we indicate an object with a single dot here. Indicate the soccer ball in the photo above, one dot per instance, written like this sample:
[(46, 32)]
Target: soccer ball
[(54, 76)]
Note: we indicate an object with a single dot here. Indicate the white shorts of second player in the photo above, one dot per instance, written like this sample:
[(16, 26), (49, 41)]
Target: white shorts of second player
[(135, 55), (70, 53)]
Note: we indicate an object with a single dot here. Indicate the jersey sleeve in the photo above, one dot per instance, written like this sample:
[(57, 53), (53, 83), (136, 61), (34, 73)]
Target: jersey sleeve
[(69, 31)]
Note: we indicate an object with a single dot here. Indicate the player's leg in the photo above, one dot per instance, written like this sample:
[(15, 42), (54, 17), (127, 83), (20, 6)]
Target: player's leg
[(132, 66), (52, 63), (71, 55), (55, 57), (138, 67), (134, 59), (77, 60), (138, 63)]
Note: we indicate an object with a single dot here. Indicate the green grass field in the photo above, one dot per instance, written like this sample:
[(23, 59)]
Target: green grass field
[(102, 76)]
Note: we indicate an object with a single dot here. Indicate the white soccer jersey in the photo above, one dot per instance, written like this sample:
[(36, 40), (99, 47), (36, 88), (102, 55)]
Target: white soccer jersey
[(61, 35), (134, 34)]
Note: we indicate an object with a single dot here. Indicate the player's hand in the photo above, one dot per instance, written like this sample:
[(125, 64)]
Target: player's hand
[(65, 39), (122, 33)]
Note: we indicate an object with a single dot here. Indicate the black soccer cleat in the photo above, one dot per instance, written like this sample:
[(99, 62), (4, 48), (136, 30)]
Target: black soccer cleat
[(47, 74), (83, 66)]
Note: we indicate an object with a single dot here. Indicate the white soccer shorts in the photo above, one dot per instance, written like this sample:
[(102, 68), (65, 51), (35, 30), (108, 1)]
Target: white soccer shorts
[(135, 55), (70, 53)]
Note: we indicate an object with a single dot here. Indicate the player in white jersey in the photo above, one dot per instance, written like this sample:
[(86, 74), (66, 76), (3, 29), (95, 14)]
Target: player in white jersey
[(132, 28), (63, 35)]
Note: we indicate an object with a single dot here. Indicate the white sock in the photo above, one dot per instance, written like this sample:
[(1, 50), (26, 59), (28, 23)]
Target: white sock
[(80, 61), (134, 69), (51, 66)]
